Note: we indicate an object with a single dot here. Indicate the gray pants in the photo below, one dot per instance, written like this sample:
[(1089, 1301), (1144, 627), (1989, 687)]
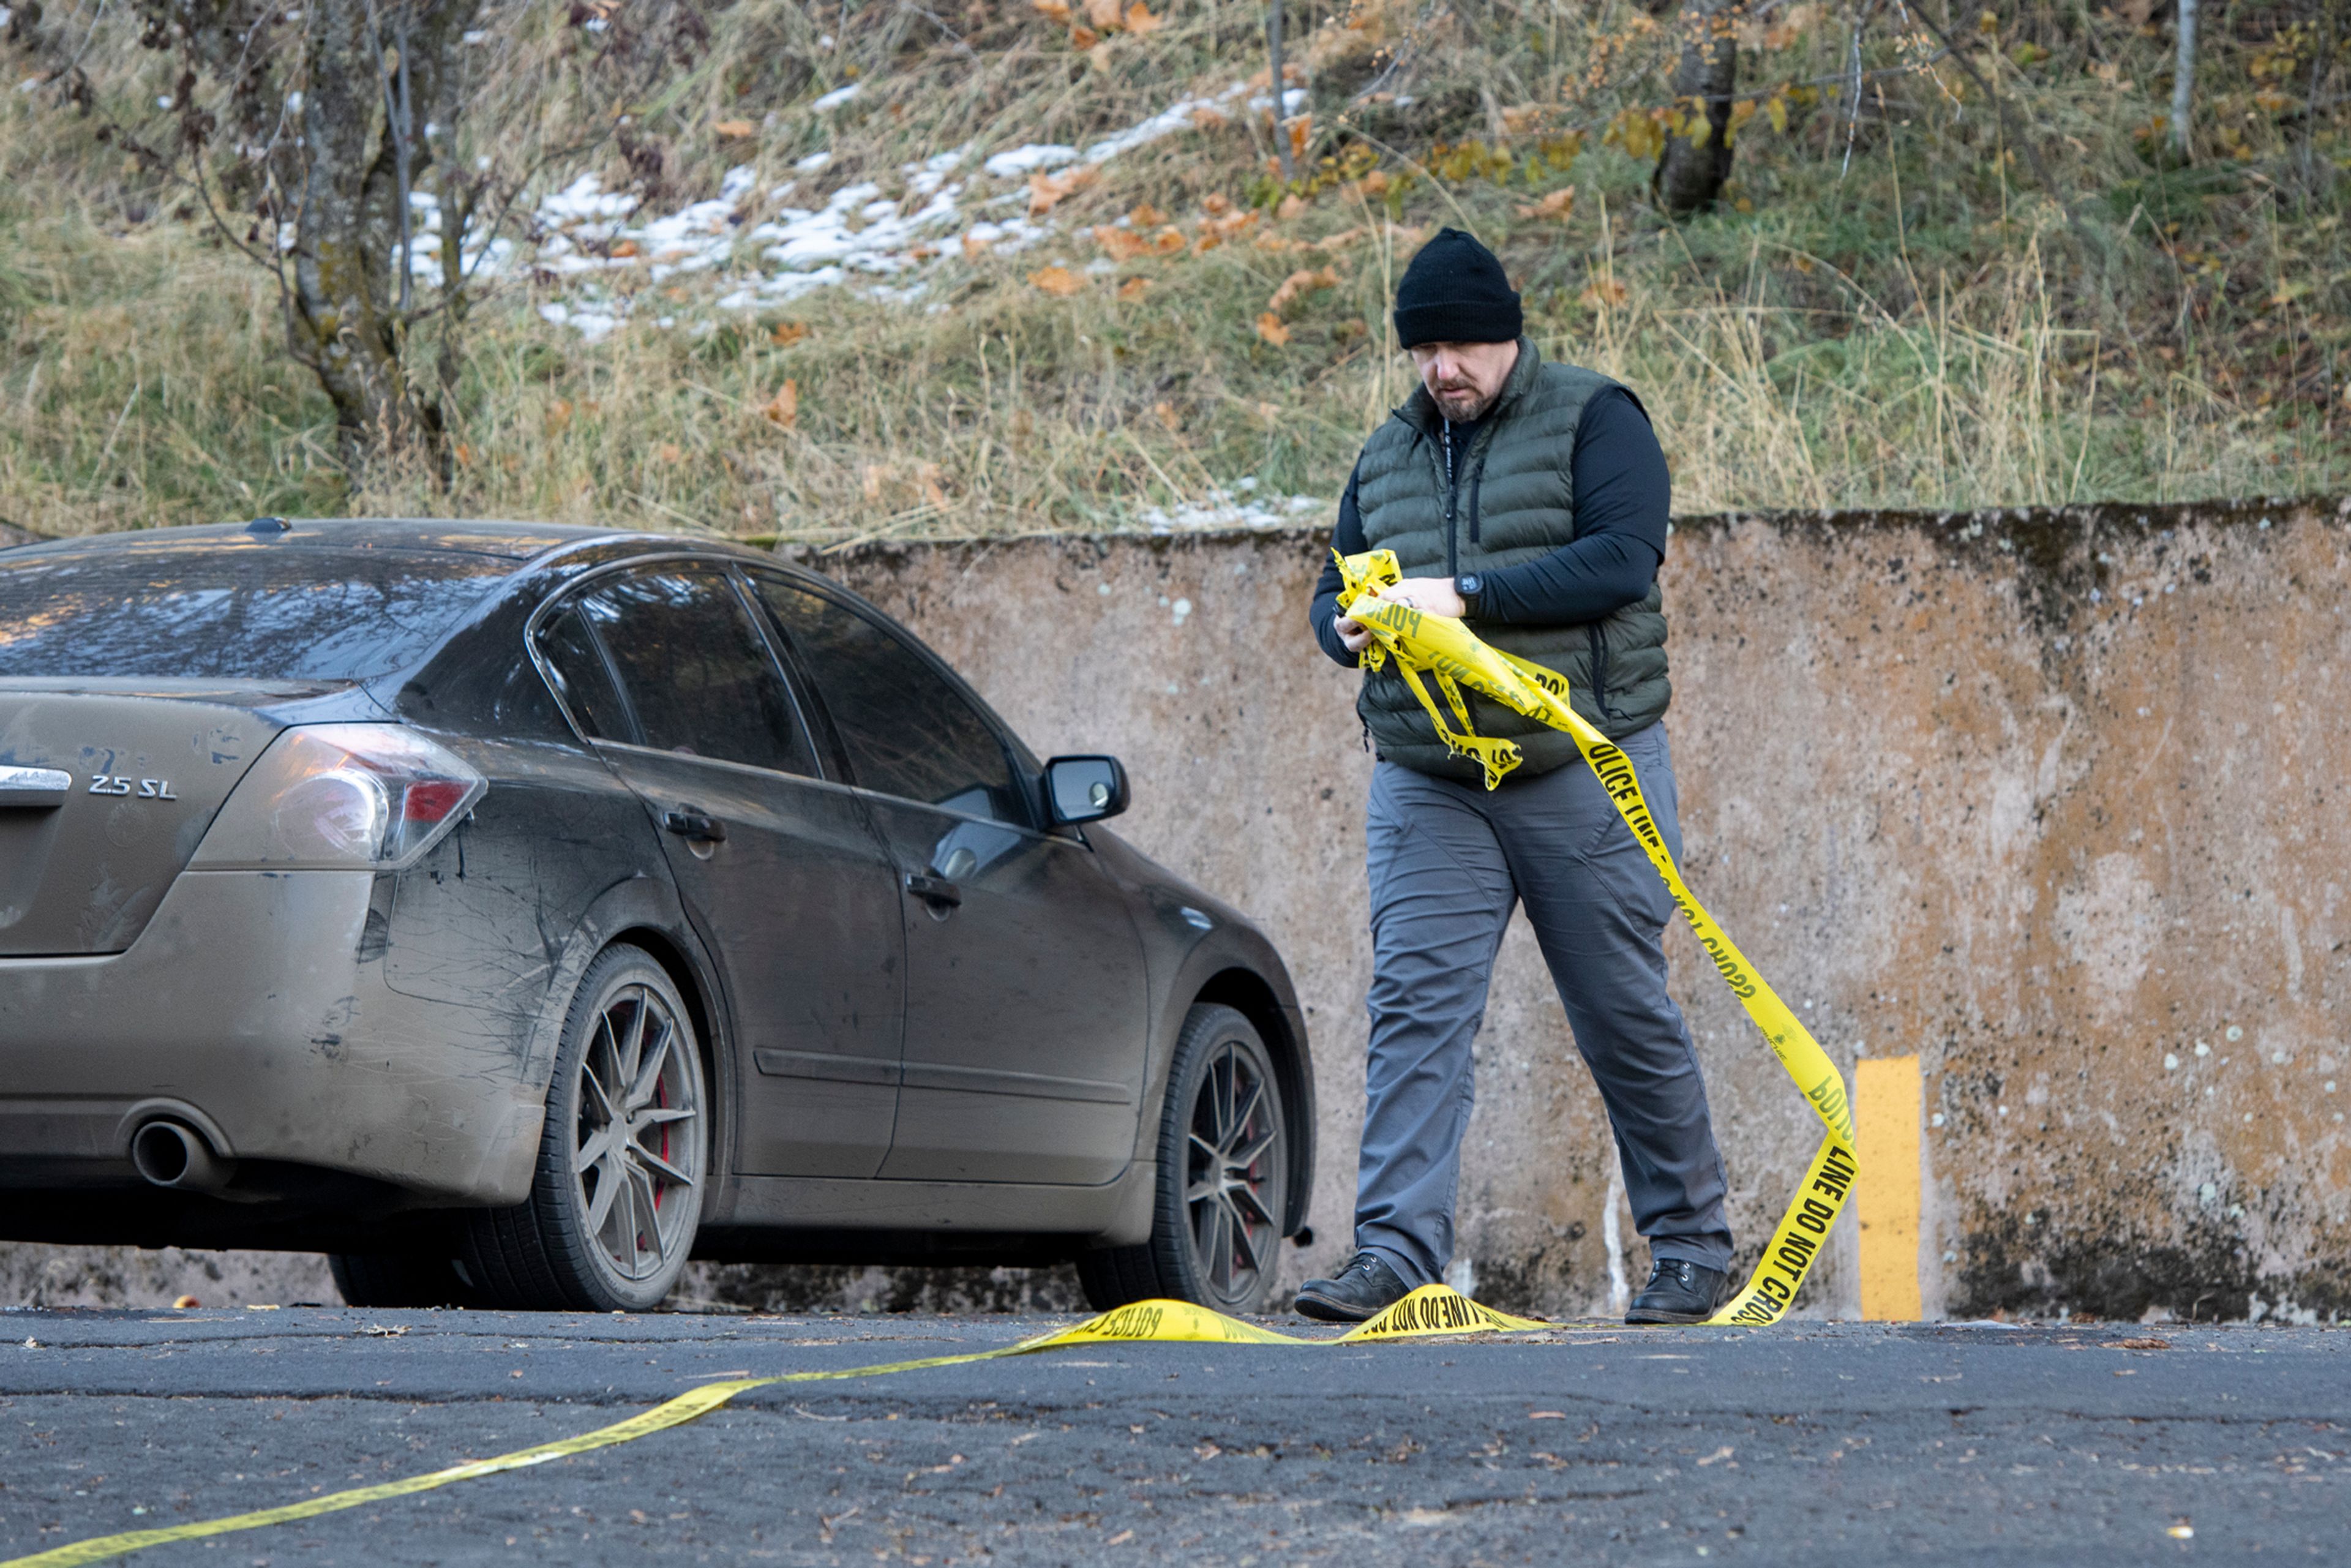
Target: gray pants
[(1448, 861)]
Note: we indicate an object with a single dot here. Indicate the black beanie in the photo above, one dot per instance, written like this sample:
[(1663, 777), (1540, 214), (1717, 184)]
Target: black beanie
[(1455, 292)]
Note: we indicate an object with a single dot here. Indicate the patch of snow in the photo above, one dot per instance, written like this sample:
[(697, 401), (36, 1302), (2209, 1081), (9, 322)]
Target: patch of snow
[(838, 97), (1234, 508), (1026, 160), (858, 237)]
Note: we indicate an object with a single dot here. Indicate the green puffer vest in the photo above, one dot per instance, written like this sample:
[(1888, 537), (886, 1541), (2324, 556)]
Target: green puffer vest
[(1511, 500)]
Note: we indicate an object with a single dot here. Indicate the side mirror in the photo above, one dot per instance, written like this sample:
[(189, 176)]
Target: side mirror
[(1085, 789)]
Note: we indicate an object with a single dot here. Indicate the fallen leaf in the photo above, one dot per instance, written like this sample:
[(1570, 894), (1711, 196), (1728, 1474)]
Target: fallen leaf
[(1375, 184), (1556, 205), (1301, 132), (1164, 413), (1603, 293), (1056, 281), (1047, 191), (1291, 206), (2149, 1342), (1104, 15), (1053, 10), (1305, 280), (871, 478), (1215, 203), (734, 129), (559, 415), (624, 248), (1205, 118), (1270, 328), (1121, 244), (927, 476), (1132, 289), (1083, 39), (1139, 19), (783, 410), (1167, 240), (668, 452), (974, 247), (1146, 216), (787, 333)]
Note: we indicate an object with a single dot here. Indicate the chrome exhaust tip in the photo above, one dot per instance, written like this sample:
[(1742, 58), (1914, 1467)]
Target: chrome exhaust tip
[(173, 1154)]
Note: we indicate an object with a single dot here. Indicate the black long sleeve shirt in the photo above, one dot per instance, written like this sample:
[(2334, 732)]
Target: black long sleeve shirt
[(1623, 497)]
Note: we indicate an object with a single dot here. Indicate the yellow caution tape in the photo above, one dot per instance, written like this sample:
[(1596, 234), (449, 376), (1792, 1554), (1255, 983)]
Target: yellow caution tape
[(1431, 1310), (1422, 644), (1436, 647)]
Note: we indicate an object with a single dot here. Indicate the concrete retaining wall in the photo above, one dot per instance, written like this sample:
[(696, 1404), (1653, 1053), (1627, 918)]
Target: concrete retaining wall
[(2050, 801)]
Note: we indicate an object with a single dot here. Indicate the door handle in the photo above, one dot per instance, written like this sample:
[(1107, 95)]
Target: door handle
[(689, 823), (936, 890)]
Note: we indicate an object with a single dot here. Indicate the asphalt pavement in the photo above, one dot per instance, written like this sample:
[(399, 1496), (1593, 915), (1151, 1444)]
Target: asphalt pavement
[(1810, 1442)]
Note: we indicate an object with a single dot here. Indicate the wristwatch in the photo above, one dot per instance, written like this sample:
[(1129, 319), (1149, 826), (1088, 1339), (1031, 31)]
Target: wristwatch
[(1466, 585)]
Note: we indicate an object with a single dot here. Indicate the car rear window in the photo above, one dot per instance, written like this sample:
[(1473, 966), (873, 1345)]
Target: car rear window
[(235, 612)]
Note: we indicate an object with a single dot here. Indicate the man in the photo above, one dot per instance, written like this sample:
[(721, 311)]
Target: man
[(1530, 500)]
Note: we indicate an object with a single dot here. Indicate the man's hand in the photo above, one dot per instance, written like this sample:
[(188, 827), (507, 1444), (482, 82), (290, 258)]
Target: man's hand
[(1430, 595)]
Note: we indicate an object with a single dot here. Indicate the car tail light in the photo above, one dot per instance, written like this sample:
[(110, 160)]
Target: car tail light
[(341, 797)]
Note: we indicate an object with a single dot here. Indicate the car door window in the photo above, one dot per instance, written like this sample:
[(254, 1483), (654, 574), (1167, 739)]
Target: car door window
[(907, 729), (575, 668), (696, 669)]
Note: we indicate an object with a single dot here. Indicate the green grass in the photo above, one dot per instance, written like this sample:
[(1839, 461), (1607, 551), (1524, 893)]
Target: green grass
[(1918, 328)]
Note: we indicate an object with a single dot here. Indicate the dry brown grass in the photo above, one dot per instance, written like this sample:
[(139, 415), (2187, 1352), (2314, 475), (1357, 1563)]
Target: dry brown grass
[(1917, 331)]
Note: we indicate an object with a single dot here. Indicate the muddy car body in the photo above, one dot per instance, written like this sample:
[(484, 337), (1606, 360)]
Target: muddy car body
[(314, 838)]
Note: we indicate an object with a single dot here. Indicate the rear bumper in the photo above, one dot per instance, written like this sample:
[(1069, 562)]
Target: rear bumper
[(253, 1006)]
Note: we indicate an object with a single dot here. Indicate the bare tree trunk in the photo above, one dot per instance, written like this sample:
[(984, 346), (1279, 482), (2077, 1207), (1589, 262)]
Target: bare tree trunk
[(1697, 162), (344, 317), (1273, 49), (2183, 79)]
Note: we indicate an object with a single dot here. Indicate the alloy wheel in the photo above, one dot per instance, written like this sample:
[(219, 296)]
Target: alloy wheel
[(635, 1162), (1230, 1177)]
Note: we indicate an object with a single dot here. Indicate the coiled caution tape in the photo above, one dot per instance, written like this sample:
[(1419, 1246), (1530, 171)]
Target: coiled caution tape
[(1435, 647), (1430, 1312)]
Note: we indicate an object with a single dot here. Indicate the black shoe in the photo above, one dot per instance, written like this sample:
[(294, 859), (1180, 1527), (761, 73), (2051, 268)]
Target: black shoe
[(1679, 1292), (1364, 1289)]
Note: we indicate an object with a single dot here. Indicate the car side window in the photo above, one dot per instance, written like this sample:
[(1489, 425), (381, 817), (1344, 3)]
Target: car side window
[(907, 730), (576, 667), (696, 668)]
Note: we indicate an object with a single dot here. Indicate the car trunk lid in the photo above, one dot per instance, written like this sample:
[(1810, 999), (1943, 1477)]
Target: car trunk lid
[(106, 789)]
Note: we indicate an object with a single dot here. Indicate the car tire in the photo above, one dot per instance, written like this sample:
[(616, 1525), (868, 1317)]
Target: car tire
[(399, 1280), (623, 1159), (1223, 1178)]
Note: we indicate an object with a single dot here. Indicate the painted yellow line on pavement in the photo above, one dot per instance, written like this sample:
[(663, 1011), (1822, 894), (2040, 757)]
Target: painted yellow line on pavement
[(1887, 1096), (1431, 1311)]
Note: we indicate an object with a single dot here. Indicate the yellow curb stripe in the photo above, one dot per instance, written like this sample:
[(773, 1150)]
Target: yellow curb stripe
[(1887, 1095)]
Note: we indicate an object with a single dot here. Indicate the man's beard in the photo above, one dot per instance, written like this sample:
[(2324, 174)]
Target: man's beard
[(1465, 414)]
